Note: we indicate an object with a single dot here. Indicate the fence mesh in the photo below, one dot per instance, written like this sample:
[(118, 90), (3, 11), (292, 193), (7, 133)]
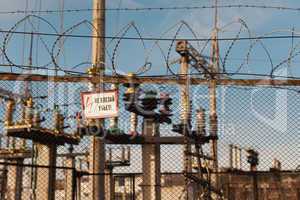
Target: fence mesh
[(262, 118)]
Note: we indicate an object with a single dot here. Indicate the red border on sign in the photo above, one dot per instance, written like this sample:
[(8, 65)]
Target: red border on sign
[(105, 116)]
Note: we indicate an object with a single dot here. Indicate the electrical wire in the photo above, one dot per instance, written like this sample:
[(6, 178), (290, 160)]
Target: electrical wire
[(272, 77), (152, 38), (31, 67)]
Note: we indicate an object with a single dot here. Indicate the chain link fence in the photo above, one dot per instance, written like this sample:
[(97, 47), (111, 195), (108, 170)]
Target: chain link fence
[(262, 118)]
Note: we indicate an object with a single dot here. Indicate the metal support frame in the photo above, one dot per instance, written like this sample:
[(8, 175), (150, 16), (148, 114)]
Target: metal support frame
[(45, 183), (70, 178), (231, 157), (15, 179), (185, 114), (151, 186)]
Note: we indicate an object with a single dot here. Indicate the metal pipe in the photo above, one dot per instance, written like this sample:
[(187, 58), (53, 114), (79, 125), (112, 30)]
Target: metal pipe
[(29, 111), (10, 142), (114, 120), (128, 153), (110, 154), (231, 156), (36, 119), (9, 113), (58, 121), (133, 116), (123, 154), (238, 158)]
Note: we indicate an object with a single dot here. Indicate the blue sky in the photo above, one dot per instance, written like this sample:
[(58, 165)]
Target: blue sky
[(153, 24)]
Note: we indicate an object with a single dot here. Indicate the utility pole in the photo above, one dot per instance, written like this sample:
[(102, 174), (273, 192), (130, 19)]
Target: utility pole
[(185, 114), (97, 144), (215, 55)]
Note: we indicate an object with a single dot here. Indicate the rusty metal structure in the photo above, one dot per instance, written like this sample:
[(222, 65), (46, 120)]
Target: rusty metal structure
[(168, 141)]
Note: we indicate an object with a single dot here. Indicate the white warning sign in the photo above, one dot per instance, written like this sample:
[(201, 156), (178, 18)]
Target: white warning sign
[(100, 105)]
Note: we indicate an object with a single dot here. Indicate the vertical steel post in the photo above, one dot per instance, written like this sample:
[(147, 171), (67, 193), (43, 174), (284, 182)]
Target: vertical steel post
[(109, 180), (133, 116), (69, 179), (15, 179), (15, 173), (213, 122), (9, 122), (46, 156), (236, 157), (214, 70), (231, 156), (114, 120), (240, 158)]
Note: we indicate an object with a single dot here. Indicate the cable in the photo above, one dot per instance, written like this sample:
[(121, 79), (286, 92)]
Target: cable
[(30, 67), (165, 75), (280, 8), (152, 38)]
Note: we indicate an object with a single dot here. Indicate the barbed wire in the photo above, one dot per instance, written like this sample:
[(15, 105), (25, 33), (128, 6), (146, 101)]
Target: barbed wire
[(243, 24), (115, 50), (10, 33), (279, 8), (121, 35)]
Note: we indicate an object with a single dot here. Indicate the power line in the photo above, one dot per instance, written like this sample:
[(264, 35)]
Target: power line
[(150, 38), (281, 8), (31, 67), (154, 76), (150, 76)]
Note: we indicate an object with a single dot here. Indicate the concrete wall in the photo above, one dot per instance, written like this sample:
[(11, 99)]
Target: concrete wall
[(236, 186), (270, 186)]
